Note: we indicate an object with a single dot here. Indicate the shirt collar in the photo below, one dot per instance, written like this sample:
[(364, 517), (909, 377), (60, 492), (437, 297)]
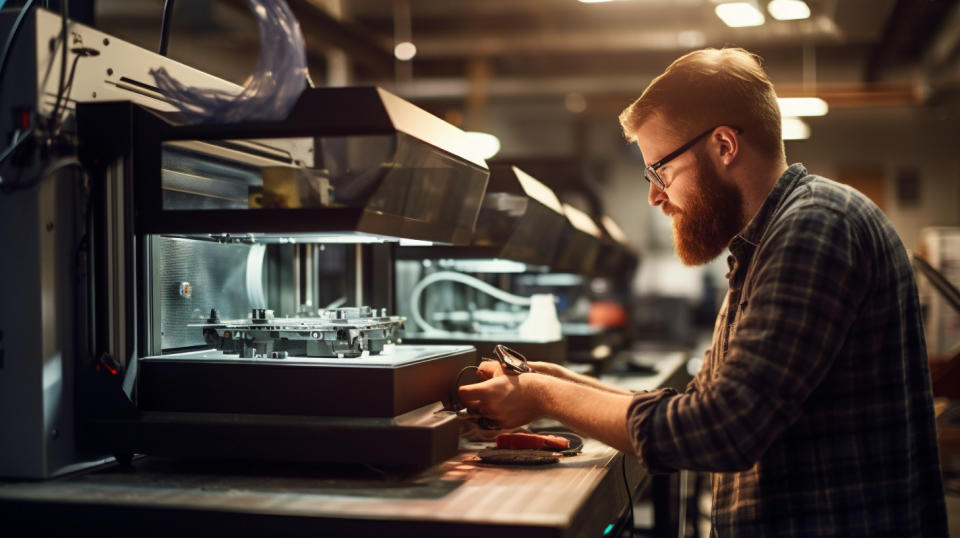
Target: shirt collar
[(753, 232)]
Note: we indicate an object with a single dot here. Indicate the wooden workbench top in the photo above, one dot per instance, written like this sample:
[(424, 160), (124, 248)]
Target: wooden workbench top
[(581, 495)]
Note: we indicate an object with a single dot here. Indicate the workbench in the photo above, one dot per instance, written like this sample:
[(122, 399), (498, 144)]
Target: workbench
[(583, 495)]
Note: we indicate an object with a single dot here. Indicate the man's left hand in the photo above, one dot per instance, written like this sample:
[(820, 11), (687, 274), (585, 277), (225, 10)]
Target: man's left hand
[(508, 400)]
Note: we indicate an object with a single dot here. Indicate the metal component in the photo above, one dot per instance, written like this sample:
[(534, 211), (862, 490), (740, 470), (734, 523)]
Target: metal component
[(338, 332)]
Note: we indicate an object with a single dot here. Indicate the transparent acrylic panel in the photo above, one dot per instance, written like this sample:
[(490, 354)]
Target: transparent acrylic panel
[(392, 174), (195, 276)]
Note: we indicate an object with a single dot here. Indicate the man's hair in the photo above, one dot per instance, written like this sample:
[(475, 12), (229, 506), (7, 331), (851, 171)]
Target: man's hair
[(711, 87)]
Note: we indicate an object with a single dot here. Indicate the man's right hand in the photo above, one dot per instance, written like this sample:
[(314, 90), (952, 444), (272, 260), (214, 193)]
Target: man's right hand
[(488, 369)]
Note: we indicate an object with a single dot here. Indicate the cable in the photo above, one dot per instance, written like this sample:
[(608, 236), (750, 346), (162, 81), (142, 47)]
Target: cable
[(4, 58), (17, 25), (455, 395), (468, 280), (17, 140), (55, 117), (626, 483), (50, 170), (165, 26), (682, 509)]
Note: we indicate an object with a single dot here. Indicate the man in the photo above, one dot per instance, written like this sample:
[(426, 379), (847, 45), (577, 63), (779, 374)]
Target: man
[(813, 408)]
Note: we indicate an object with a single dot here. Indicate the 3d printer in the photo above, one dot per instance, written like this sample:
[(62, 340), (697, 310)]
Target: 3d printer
[(462, 294), (329, 386), (147, 283)]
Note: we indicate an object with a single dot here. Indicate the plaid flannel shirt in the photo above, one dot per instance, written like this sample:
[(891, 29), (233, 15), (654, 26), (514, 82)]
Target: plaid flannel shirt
[(813, 408)]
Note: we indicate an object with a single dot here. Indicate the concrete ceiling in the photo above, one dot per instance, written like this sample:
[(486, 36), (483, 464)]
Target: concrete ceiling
[(520, 48), (851, 52)]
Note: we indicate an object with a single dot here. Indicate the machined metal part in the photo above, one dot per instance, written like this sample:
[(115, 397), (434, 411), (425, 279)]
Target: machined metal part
[(338, 332)]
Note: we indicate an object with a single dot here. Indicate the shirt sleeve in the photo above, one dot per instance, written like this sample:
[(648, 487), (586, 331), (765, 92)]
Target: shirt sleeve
[(804, 297)]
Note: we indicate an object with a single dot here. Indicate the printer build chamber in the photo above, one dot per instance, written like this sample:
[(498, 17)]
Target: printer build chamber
[(295, 216)]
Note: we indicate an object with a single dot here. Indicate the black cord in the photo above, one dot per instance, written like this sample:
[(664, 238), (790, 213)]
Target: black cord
[(50, 170), (455, 395), (17, 25), (165, 26), (623, 468), (4, 58), (54, 122), (12, 148), (80, 52)]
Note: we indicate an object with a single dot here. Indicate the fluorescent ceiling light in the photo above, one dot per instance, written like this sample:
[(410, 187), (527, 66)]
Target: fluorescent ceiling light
[(415, 243), (613, 229), (739, 14), (538, 191), (405, 51), (794, 129), (485, 145), (552, 280), (691, 39), (802, 106), (346, 238), (582, 221), (489, 266), (788, 10)]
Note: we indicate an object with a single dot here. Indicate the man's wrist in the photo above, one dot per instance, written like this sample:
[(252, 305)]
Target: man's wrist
[(538, 386)]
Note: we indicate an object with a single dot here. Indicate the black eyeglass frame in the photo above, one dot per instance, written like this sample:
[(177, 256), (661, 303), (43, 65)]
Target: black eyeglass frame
[(651, 170)]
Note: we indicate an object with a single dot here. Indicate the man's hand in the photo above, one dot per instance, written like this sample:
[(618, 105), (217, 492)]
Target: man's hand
[(510, 400), (488, 369)]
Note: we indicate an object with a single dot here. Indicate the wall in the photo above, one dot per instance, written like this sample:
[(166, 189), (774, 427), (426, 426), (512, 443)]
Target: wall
[(892, 139)]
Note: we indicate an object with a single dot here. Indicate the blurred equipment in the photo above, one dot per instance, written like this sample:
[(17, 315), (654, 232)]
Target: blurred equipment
[(939, 263), (462, 294)]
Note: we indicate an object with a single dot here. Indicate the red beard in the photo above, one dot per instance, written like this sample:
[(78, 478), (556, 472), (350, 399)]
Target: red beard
[(705, 227)]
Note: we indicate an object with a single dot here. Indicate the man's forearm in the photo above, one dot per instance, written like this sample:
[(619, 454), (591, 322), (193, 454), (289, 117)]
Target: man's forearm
[(588, 410), (565, 373), (597, 384)]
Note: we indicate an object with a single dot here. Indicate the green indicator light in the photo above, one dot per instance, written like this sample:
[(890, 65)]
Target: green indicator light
[(608, 529)]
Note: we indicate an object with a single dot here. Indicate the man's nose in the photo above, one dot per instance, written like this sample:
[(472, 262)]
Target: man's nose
[(655, 196)]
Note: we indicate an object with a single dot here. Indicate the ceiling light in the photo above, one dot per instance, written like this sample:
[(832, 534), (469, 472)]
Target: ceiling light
[(405, 51), (802, 106), (794, 129), (739, 14), (593, 1), (415, 243), (691, 39), (613, 229), (582, 221), (484, 145), (484, 266), (788, 10)]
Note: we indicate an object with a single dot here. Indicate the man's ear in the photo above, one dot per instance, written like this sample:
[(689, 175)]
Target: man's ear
[(727, 142)]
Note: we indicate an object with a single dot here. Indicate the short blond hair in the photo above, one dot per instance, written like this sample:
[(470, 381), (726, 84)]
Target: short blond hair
[(712, 87)]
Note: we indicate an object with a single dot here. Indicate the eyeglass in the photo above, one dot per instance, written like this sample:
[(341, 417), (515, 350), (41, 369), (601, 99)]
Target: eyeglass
[(650, 173), (511, 360)]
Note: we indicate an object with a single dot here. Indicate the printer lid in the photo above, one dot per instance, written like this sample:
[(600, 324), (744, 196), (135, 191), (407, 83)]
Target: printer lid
[(346, 162)]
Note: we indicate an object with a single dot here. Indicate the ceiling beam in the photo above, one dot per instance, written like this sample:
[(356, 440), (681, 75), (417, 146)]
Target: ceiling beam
[(674, 38)]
